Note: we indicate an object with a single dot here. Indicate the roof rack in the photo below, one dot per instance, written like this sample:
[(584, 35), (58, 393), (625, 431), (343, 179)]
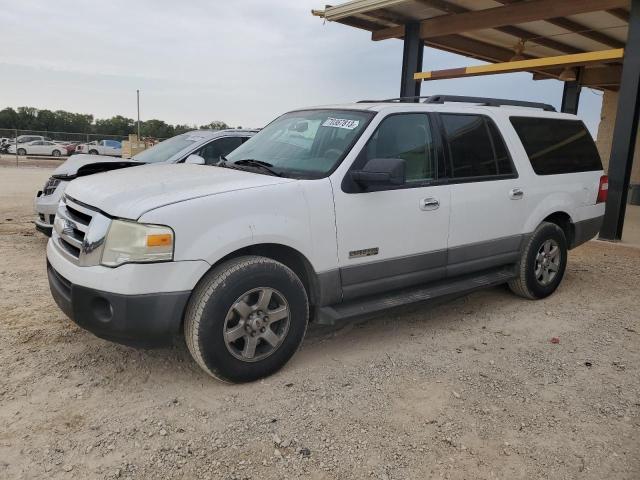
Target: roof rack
[(393, 100), (490, 102)]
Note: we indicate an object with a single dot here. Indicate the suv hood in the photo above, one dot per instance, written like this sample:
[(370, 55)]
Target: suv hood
[(85, 164), (129, 193)]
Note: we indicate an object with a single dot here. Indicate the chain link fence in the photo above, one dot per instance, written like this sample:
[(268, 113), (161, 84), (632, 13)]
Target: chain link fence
[(72, 137), (69, 140)]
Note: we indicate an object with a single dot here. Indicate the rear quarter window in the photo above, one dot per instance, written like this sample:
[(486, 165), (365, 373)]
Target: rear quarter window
[(557, 146)]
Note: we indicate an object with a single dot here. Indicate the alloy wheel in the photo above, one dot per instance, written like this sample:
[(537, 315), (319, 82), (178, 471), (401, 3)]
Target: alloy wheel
[(547, 262), (256, 324)]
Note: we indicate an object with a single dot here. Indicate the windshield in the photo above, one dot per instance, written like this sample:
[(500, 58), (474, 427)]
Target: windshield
[(168, 148), (306, 144)]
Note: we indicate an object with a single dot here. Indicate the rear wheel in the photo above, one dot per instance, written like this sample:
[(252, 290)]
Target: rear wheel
[(246, 319), (543, 263)]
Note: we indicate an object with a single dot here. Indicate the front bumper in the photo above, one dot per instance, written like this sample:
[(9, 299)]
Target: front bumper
[(46, 206), (142, 320)]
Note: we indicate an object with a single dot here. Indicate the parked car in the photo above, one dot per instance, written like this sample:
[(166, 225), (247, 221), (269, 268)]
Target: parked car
[(102, 147), (70, 147), (38, 147), (31, 138), (204, 146), (325, 214), (5, 143)]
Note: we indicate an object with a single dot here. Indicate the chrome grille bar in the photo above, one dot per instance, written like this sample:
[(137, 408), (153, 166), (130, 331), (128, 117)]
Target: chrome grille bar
[(79, 232)]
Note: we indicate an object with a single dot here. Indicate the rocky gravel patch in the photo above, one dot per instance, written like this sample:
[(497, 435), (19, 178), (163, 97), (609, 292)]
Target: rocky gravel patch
[(474, 388)]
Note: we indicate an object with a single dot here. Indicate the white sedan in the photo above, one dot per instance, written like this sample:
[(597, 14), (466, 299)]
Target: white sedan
[(39, 147)]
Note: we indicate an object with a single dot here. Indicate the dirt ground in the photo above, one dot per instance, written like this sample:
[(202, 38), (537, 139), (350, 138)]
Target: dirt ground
[(470, 389)]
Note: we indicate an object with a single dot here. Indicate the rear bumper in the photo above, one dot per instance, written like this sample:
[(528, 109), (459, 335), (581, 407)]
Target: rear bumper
[(585, 230), (136, 320)]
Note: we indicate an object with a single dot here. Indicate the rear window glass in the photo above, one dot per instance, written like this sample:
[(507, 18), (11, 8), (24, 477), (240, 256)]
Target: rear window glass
[(476, 149), (556, 146)]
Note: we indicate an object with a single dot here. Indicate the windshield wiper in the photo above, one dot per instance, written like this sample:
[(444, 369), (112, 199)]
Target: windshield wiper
[(265, 166)]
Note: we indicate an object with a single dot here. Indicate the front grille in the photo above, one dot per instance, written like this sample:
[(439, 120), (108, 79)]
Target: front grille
[(72, 225), (50, 186)]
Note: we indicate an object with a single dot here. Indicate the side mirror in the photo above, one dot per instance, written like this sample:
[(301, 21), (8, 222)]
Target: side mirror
[(381, 172), (195, 159)]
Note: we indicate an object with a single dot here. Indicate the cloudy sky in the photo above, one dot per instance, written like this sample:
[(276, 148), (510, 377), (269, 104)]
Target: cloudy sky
[(195, 61)]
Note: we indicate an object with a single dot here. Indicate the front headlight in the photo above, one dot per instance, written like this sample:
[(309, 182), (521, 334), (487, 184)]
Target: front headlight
[(128, 242)]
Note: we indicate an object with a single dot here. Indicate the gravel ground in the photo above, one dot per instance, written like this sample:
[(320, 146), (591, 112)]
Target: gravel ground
[(470, 389)]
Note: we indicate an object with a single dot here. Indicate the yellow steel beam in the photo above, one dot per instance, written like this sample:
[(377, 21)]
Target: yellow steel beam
[(577, 59)]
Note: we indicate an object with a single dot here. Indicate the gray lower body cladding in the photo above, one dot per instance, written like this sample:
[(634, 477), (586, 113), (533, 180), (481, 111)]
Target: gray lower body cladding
[(137, 320), (585, 230), (397, 273)]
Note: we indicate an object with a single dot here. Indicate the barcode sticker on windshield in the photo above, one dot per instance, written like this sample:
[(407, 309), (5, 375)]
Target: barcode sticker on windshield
[(341, 123)]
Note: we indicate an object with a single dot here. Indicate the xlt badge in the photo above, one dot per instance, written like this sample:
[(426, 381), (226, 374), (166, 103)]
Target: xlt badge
[(367, 252)]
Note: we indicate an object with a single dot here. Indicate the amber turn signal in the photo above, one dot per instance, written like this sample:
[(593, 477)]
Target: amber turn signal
[(161, 240)]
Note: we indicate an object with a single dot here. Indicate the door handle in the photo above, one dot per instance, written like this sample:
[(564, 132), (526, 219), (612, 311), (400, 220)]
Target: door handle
[(429, 203), (516, 194)]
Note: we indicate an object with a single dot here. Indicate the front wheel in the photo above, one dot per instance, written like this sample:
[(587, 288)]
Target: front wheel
[(22, 152), (56, 153), (246, 319), (93, 152), (542, 264)]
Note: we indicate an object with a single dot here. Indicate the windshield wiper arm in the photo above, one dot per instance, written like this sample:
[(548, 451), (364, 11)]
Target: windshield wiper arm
[(250, 162)]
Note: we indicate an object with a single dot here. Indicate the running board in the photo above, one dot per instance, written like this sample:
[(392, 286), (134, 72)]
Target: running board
[(369, 305)]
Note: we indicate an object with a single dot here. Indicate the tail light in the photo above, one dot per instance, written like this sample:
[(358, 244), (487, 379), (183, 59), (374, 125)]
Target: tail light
[(603, 189)]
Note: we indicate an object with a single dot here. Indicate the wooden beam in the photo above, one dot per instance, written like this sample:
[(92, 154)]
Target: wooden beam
[(578, 29), (382, 23), (579, 59), (452, 8), (602, 76), (605, 76), (477, 49), (620, 14), (520, 12), (585, 32), (390, 16), (387, 33), (471, 48), (517, 32)]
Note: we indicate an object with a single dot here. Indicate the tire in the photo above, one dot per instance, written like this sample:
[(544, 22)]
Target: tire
[(93, 152), (218, 312), (56, 153), (22, 152), (540, 271)]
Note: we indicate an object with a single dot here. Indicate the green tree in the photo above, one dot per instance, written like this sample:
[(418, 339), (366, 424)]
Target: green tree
[(156, 129), (8, 118), (215, 125), (117, 125)]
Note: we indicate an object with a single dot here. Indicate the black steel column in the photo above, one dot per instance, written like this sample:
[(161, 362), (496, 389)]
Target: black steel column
[(624, 132), (411, 60), (571, 97)]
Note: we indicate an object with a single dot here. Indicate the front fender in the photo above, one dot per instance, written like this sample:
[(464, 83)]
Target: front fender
[(210, 228)]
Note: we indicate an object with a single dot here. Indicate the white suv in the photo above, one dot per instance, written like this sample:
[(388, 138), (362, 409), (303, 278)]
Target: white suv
[(327, 213)]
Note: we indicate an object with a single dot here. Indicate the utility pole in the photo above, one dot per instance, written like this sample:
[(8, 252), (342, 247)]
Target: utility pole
[(138, 101)]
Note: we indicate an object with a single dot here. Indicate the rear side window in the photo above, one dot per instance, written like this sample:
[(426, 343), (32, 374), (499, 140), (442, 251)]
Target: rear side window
[(556, 146), (476, 148)]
